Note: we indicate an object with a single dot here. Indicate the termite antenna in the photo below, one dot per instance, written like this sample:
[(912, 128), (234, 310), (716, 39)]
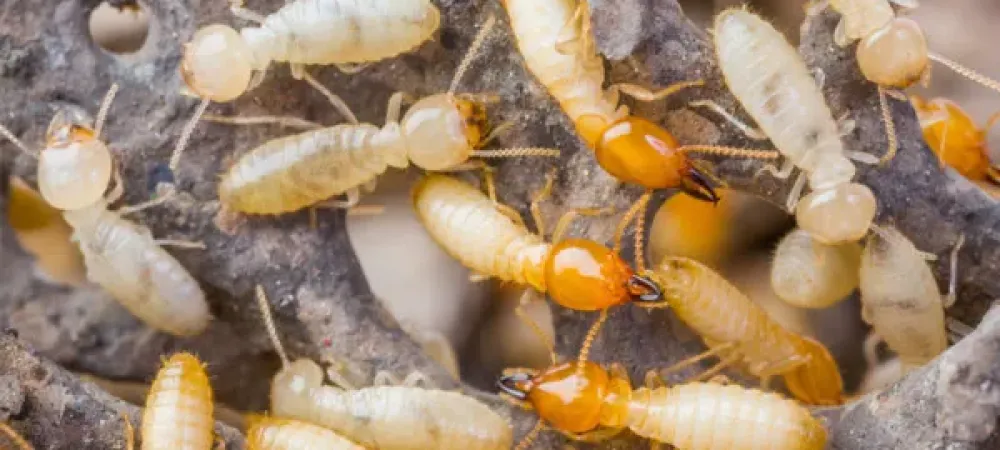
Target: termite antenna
[(966, 72), (531, 436), (588, 341), (732, 152), (471, 53), (334, 99), (102, 113), (953, 279), (175, 157), (627, 218), (639, 233), (890, 127), (272, 331), (17, 142), (517, 151)]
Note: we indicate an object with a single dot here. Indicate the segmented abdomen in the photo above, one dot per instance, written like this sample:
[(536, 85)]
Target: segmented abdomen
[(771, 81), (706, 416), (293, 172), (403, 418), (123, 258), (343, 31), (469, 227), (178, 414), (572, 74), (283, 434)]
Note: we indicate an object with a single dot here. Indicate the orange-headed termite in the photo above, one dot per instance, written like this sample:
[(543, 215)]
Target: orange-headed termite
[(955, 139)]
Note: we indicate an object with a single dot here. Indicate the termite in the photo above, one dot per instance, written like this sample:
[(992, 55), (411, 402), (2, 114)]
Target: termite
[(594, 404), (178, 414), (955, 138), (740, 332), (771, 81), (384, 417), (41, 231), (440, 132), (219, 64), (555, 39), (810, 274), (900, 298), (74, 168), (268, 433), (892, 52)]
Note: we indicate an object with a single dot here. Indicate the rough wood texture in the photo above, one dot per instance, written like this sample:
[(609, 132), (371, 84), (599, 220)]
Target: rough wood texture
[(323, 304)]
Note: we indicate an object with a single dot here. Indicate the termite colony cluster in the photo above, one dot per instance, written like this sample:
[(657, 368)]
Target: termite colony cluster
[(836, 249)]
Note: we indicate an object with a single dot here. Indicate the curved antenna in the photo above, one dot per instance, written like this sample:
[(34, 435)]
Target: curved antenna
[(17, 142), (471, 53), (102, 113), (966, 72), (517, 151), (732, 152), (890, 128), (589, 341), (175, 157), (272, 331), (531, 436)]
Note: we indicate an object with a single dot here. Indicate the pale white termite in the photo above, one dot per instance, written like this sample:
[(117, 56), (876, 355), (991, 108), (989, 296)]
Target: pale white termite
[(810, 274), (268, 433), (74, 168), (178, 414), (771, 81), (900, 298), (383, 417), (440, 132)]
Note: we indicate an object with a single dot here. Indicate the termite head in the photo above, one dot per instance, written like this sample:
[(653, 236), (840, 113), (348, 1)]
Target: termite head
[(75, 167), (294, 383), (839, 214), (952, 134), (583, 275), (217, 63), (638, 151), (895, 55), (443, 130), (568, 398)]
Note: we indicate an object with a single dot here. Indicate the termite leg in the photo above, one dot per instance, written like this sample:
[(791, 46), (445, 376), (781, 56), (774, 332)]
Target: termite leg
[(118, 190), (653, 380), (718, 367), (476, 277), (491, 191), (284, 121), (496, 132), (126, 210), (779, 368), (679, 365), (395, 106), (102, 113), (796, 193), (870, 348), (819, 76), (948, 299), (299, 72), (562, 226), (351, 69), (540, 196), (862, 157), (523, 316), (238, 10), (747, 130), (645, 95), (15, 437), (418, 378), (333, 373), (383, 378), (129, 431), (353, 197), (436, 346), (840, 34)]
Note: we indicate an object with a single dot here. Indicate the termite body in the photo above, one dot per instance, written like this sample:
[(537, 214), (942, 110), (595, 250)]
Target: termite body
[(123, 258), (954, 137), (268, 433), (592, 403), (732, 325), (178, 414), (41, 230), (810, 274), (900, 298), (782, 97)]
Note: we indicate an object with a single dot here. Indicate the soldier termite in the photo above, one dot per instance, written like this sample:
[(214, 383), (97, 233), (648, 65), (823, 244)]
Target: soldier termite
[(555, 39), (739, 332), (900, 298), (810, 274), (178, 414), (892, 51), (955, 138), (41, 230), (771, 81), (384, 417), (595, 404), (219, 63), (74, 168), (268, 433), (440, 132)]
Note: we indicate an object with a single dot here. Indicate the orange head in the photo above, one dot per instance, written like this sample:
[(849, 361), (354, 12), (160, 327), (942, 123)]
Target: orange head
[(568, 399), (586, 276), (817, 382), (638, 151), (953, 136)]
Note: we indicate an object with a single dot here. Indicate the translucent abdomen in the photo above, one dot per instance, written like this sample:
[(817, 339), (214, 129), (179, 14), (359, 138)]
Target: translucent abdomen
[(342, 31), (705, 416), (178, 414), (809, 274), (293, 172), (282, 434), (469, 227), (123, 258), (771, 81)]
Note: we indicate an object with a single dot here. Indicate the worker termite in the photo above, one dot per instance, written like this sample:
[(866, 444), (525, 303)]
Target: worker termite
[(268, 433), (954, 137), (892, 51), (771, 81), (440, 132), (41, 231), (594, 404), (810, 274), (740, 332), (178, 414), (900, 298), (384, 417), (555, 39), (74, 168)]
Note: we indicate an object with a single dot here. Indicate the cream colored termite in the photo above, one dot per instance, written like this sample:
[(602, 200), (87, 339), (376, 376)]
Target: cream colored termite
[(771, 81), (268, 433), (381, 416), (810, 274), (178, 414), (900, 298)]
